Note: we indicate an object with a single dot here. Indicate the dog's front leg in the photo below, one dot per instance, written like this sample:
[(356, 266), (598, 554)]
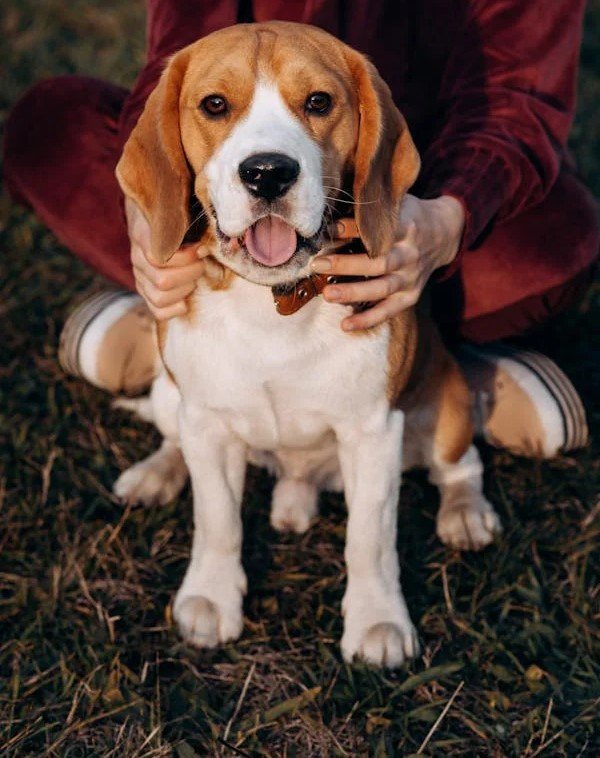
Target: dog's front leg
[(208, 606), (377, 625)]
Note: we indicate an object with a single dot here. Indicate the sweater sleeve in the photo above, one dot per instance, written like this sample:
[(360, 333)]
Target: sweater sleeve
[(506, 105)]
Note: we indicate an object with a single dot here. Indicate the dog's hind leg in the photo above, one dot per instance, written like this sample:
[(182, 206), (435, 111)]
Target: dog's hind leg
[(156, 480), (140, 406), (466, 519), (302, 474), (293, 505), (161, 476)]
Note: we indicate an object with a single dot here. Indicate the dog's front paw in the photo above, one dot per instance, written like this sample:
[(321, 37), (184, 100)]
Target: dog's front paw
[(293, 506), (383, 639), (204, 623), (385, 644), (468, 524), (154, 481)]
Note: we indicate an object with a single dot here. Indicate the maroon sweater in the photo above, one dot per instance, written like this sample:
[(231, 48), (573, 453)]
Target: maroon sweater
[(487, 86)]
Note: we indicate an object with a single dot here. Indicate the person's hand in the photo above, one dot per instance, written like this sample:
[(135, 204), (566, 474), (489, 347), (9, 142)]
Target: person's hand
[(164, 287), (431, 232)]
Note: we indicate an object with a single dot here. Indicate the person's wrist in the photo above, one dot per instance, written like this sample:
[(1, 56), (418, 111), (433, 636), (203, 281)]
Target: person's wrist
[(451, 216)]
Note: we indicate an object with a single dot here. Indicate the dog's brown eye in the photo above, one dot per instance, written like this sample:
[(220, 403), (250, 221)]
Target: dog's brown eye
[(214, 105), (318, 102)]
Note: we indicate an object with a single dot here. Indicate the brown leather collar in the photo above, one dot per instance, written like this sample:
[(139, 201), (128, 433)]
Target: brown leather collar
[(300, 293), (291, 298)]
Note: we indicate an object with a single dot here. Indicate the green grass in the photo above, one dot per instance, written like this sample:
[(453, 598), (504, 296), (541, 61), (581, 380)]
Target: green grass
[(89, 661)]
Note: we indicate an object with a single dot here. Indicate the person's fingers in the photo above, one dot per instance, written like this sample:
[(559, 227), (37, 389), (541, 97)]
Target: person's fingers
[(370, 290), (187, 254), (202, 250), (344, 228), (166, 279), (410, 210), (381, 312), (162, 298), (183, 257), (410, 235), (160, 313), (138, 227), (139, 232), (164, 314), (361, 265), (138, 258)]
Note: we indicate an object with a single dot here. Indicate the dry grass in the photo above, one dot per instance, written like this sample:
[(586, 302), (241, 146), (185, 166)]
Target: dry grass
[(89, 661)]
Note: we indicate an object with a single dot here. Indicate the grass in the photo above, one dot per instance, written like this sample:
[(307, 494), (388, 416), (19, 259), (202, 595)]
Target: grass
[(89, 661)]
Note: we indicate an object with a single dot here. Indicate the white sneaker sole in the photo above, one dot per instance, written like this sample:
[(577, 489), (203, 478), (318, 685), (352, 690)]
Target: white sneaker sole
[(559, 407), (85, 329)]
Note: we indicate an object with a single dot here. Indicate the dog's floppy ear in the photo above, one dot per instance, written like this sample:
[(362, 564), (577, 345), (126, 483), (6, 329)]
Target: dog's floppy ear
[(153, 170), (386, 162)]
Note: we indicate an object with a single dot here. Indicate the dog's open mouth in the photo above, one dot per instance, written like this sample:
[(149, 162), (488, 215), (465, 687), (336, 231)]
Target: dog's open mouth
[(270, 241)]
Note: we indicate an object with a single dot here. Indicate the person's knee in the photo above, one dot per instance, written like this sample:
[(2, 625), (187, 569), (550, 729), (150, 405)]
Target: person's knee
[(46, 126), (32, 127), (580, 230), (527, 315), (530, 270), (547, 247), (566, 234)]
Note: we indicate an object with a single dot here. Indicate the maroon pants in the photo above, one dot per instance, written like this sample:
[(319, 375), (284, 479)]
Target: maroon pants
[(62, 146)]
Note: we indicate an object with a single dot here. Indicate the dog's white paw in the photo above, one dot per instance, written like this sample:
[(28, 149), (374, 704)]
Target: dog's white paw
[(293, 506), (377, 627), (469, 524), (154, 481), (383, 644), (204, 623)]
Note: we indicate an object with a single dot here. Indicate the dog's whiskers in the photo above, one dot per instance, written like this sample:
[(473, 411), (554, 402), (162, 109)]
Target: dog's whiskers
[(352, 200), (203, 214)]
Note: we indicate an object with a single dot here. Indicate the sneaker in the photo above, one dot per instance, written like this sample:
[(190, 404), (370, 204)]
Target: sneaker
[(109, 341), (523, 401)]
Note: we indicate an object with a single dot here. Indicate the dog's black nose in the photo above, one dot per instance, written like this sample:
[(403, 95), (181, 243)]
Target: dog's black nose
[(269, 175)]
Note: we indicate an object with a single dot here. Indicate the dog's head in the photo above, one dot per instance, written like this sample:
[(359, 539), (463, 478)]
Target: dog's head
[(269, 125)]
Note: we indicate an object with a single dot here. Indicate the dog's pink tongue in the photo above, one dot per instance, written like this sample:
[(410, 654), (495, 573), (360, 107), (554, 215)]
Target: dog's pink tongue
[(270, 241)]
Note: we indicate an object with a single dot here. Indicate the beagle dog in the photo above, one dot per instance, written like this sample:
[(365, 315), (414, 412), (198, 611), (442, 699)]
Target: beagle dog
[(262, 128)]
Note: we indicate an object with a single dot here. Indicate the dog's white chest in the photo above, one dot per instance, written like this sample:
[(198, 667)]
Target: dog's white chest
[(276, 381)]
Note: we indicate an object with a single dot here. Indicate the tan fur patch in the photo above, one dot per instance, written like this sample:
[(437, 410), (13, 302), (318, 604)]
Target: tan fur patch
[(402, 352), (364, 133), (423, 374), (162, 328), (454, 426), (161, 336)]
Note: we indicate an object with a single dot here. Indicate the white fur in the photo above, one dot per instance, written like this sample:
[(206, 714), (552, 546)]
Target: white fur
[(298, 395), (466, 519), (270, 127), (306, 399), (156, 480), (294, 504), (252, 380)]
